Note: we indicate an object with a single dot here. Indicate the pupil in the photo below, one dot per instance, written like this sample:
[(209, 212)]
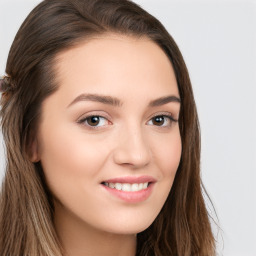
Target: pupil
[(94, 120), (159, 120)]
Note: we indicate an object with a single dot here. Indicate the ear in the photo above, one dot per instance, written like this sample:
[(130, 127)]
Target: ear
[(33, 152)]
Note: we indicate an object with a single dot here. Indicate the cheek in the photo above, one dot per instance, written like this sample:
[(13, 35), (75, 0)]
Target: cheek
[(70, 160), (167, 154), (63, 150)]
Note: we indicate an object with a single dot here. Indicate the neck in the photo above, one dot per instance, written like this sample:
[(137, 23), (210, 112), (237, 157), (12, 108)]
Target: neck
[(80, 239)]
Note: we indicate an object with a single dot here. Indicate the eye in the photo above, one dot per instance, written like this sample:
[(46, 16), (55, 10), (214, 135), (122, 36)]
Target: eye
[(94, 121), (162, 120)]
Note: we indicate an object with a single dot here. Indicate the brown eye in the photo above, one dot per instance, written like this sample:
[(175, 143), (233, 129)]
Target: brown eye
[(94, 121), (158, 120), (162, 120)]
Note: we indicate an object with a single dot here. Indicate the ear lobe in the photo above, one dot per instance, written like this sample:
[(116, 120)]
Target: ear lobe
[(33, 151)]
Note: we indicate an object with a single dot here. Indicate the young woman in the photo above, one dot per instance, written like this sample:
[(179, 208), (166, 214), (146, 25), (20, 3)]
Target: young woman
[(102, 137)]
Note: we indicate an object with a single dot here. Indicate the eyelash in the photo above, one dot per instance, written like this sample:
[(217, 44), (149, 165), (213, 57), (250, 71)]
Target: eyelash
[(84, 121), (166, 117)]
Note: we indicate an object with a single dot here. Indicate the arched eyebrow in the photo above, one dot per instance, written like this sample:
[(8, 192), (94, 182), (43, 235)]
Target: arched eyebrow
[(108, 100), (164, 100), (113, 101)]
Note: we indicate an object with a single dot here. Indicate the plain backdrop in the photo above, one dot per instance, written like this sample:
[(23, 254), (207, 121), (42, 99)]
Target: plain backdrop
[(218, 42)]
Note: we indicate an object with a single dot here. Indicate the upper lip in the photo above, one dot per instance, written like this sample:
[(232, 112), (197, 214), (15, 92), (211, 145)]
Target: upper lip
[(131, 179)]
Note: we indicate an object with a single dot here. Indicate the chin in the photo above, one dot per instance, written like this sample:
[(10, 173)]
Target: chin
[(129, 226)]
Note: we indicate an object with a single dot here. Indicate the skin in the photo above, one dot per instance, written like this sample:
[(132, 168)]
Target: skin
[(127, 141)]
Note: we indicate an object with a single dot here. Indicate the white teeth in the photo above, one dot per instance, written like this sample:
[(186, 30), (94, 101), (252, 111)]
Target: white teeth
[(118, 186), (145, 185), (140, 186), (135, 187), (127, 187), (111, 185)]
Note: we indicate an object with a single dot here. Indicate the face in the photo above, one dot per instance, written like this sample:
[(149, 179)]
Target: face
[(108, 139)]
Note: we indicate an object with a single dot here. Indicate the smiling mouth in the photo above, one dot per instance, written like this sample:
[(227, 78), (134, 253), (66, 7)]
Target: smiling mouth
[(130, 189), (127, 187)]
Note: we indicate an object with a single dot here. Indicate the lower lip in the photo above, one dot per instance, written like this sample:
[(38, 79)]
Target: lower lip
[(131, 197)]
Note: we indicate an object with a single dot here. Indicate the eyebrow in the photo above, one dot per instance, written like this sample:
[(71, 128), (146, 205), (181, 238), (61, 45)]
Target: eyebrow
[(163, 100), (113, 101)]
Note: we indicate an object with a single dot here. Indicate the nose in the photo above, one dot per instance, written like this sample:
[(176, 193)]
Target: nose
[(132, 149)]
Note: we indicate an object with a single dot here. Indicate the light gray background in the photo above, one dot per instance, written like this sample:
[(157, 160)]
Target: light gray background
[(217, 39)]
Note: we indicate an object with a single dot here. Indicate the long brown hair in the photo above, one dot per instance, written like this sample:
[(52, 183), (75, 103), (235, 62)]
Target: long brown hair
[(26, 211)]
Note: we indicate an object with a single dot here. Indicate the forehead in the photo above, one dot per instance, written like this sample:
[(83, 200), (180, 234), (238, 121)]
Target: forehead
[(118, 65)]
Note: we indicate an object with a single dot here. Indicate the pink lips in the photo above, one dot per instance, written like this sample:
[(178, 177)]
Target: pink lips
[(131, 179), (131, 196)]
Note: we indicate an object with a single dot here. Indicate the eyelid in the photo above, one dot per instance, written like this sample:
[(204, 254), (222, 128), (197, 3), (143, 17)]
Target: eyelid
[(85, 117), (100, 113), (167, 114)]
